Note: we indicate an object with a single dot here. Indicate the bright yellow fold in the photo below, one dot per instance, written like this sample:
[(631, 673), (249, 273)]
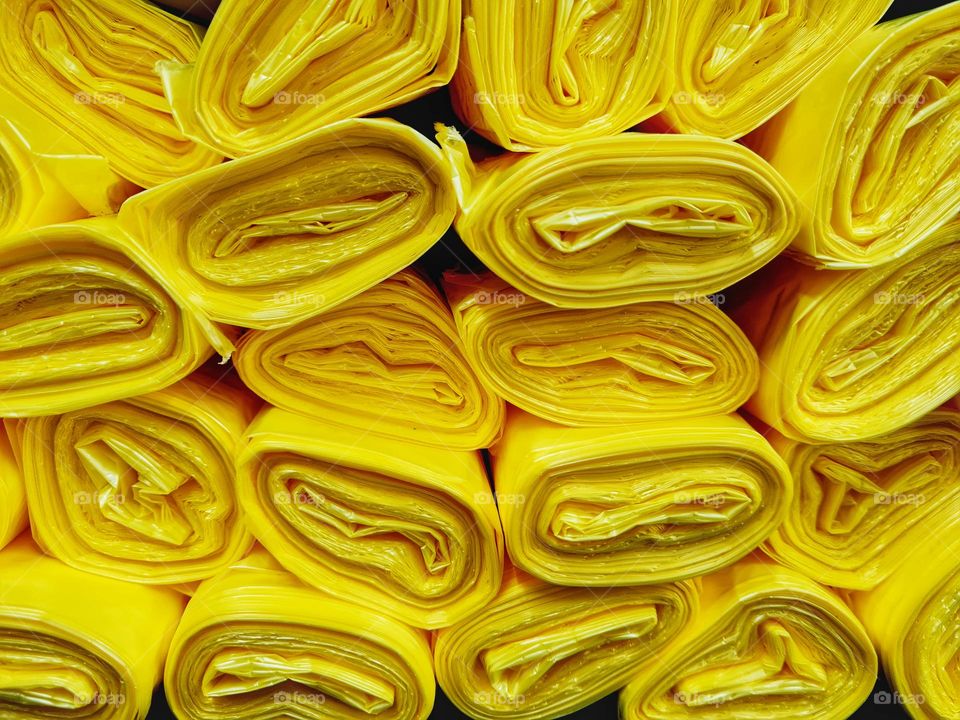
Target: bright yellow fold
[(769, 643), (88, 66), (272, 239), (542, 651), (389, 358), (256, 643), (13, 496), (270, 72), (850, 355), (618, 220), (397, 526), (140, 489), (736, 64), (86, 318), (605, 366), (860, 507), (76, 645), (642, 503), (872, 145), (535, 75)]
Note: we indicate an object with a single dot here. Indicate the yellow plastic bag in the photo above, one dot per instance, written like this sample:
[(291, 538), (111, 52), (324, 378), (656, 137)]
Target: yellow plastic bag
[(76, 645), (643, 503), (256, 643), (850, 355), (606, 366), (140, 489), (871, 145), (534, 75), (768, 643), (13, 497), (737, 64), (389, 358), (270, 72), (542, 651), (860, 507), (86, 318), (399, 527), (272, 239), (88, 66), (619, 220)]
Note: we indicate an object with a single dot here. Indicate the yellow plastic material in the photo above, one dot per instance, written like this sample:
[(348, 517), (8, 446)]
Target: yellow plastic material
[(619, 220), (270, 72), (912, 619), (860, 507), (388, 358), (255, 643), (541, 651), (88, 66), (871, 146), (539, 74), (738, 63), (140, 489), (273, 239), (399, 527), (13, 497), (85, 318), (606, 366), (769, 643), (642, 503), (850, 355), (76, 645)]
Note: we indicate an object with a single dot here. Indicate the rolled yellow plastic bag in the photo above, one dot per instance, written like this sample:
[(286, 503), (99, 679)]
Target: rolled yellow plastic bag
[(912, 619), (88, 66), (270, 72), (876, 170), (399, 527), (625, 219), (737, 64), (256, 643), (534, 75), (86, 318), (643, 503), (140, 489), (76, 645), (768, 643), (605, 366), (270, 240), (13, 496), (389, 358), (542, 651), (860, 507), (850, 355)]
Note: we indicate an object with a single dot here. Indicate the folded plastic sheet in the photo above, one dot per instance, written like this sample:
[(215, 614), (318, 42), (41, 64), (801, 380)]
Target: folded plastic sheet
[(737, 64), (13, 497), (140, 489), (272, 239), (619, 220), (542, 651), (876, 171), (534, 75), (850, 355), (88, 66), (768, 643), (642, 503), (76, 645), (605, 366), (86, 318), (860, 507), (256, 643), (396, 526), (388, 358), (269, 72), (912, 619)]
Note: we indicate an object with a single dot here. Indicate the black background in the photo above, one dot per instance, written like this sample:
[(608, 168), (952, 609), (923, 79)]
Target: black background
[(450, 252)]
